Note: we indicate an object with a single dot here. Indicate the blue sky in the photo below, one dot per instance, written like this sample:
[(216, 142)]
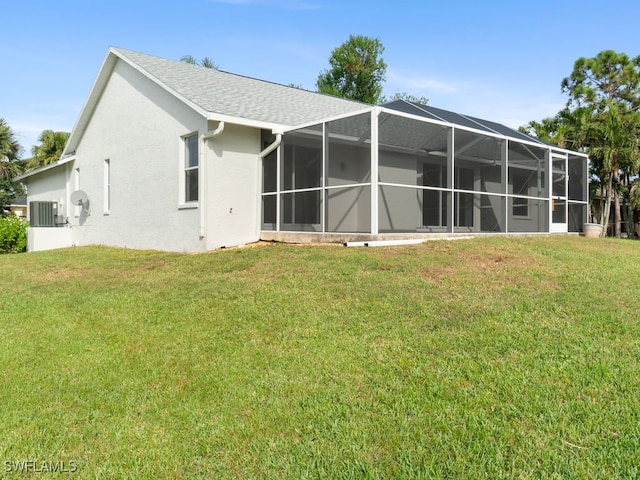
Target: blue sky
[(500, 60)]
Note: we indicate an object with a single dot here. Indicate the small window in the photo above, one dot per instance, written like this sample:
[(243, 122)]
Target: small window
[(520, 187), (107, 186), (76, 184), (191, 168), (520, 207)]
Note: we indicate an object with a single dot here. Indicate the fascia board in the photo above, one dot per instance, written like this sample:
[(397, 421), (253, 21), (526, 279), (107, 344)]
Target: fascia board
[(274, 127), (278, 127), (560, 150), (51, 166)]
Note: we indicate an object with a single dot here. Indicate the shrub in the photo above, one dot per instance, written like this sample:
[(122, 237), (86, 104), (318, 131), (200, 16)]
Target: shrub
[(13, 235)]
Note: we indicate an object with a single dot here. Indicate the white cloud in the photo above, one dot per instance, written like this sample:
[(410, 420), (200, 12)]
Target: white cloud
[(511, 105), (418, 85), (511, 108)]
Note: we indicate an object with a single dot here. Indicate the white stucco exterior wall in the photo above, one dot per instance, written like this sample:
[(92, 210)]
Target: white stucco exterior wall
[(39, 239), (232, 181), (50, 186), (138, 127)]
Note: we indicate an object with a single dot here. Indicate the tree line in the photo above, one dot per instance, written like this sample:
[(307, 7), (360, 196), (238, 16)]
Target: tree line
[(12, 164), (602, 118)]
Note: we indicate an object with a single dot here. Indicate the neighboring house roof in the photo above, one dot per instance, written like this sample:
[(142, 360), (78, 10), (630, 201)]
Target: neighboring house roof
[(219, 95), (20, 201)]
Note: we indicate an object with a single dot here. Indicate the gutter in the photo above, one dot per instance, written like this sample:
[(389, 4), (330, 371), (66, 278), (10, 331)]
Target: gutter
[(66, 159), (203, 171), (276, 143), (214, 133)]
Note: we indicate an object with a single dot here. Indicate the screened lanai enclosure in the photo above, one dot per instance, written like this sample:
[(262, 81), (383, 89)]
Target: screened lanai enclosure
[(407, 168)]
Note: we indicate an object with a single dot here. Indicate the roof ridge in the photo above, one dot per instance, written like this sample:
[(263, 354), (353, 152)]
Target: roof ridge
[(217, 94), (124, 52)]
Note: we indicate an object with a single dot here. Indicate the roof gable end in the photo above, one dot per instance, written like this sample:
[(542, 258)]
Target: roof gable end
[(218, 95)]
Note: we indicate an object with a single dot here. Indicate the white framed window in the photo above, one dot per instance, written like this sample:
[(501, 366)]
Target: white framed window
[(520, 187), (191, 167), (107, 187)]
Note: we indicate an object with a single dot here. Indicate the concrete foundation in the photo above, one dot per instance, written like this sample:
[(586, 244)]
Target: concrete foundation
[(343, 238)]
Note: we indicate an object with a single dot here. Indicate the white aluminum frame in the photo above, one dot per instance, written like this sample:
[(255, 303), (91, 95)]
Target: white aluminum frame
[(553, 152), (559, 227)]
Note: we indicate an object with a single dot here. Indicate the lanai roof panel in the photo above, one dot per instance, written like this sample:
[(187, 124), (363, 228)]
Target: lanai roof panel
[(453, 118)]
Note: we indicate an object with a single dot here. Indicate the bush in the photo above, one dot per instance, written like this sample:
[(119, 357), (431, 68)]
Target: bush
[(13, 235)]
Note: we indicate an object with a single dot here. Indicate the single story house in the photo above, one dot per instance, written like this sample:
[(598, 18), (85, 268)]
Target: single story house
[(171, 156)]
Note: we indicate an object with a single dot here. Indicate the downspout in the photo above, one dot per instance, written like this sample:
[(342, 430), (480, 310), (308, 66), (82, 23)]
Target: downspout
[(276, 143), (203, 171), (214, 133)]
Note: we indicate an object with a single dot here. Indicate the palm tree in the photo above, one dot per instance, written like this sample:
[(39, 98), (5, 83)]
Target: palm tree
[(50, 149), (617, 155), (10, 165), (206, 62), (609, 85), (568, 129), (9, 152), (190, 59)]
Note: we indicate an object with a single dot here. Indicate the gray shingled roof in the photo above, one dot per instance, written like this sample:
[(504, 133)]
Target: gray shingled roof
[(225, 93)]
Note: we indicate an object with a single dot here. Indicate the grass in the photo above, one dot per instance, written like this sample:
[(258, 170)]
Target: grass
[(483, 358)]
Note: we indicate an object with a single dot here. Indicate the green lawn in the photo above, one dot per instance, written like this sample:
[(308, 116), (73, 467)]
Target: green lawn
[(484, 358)]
